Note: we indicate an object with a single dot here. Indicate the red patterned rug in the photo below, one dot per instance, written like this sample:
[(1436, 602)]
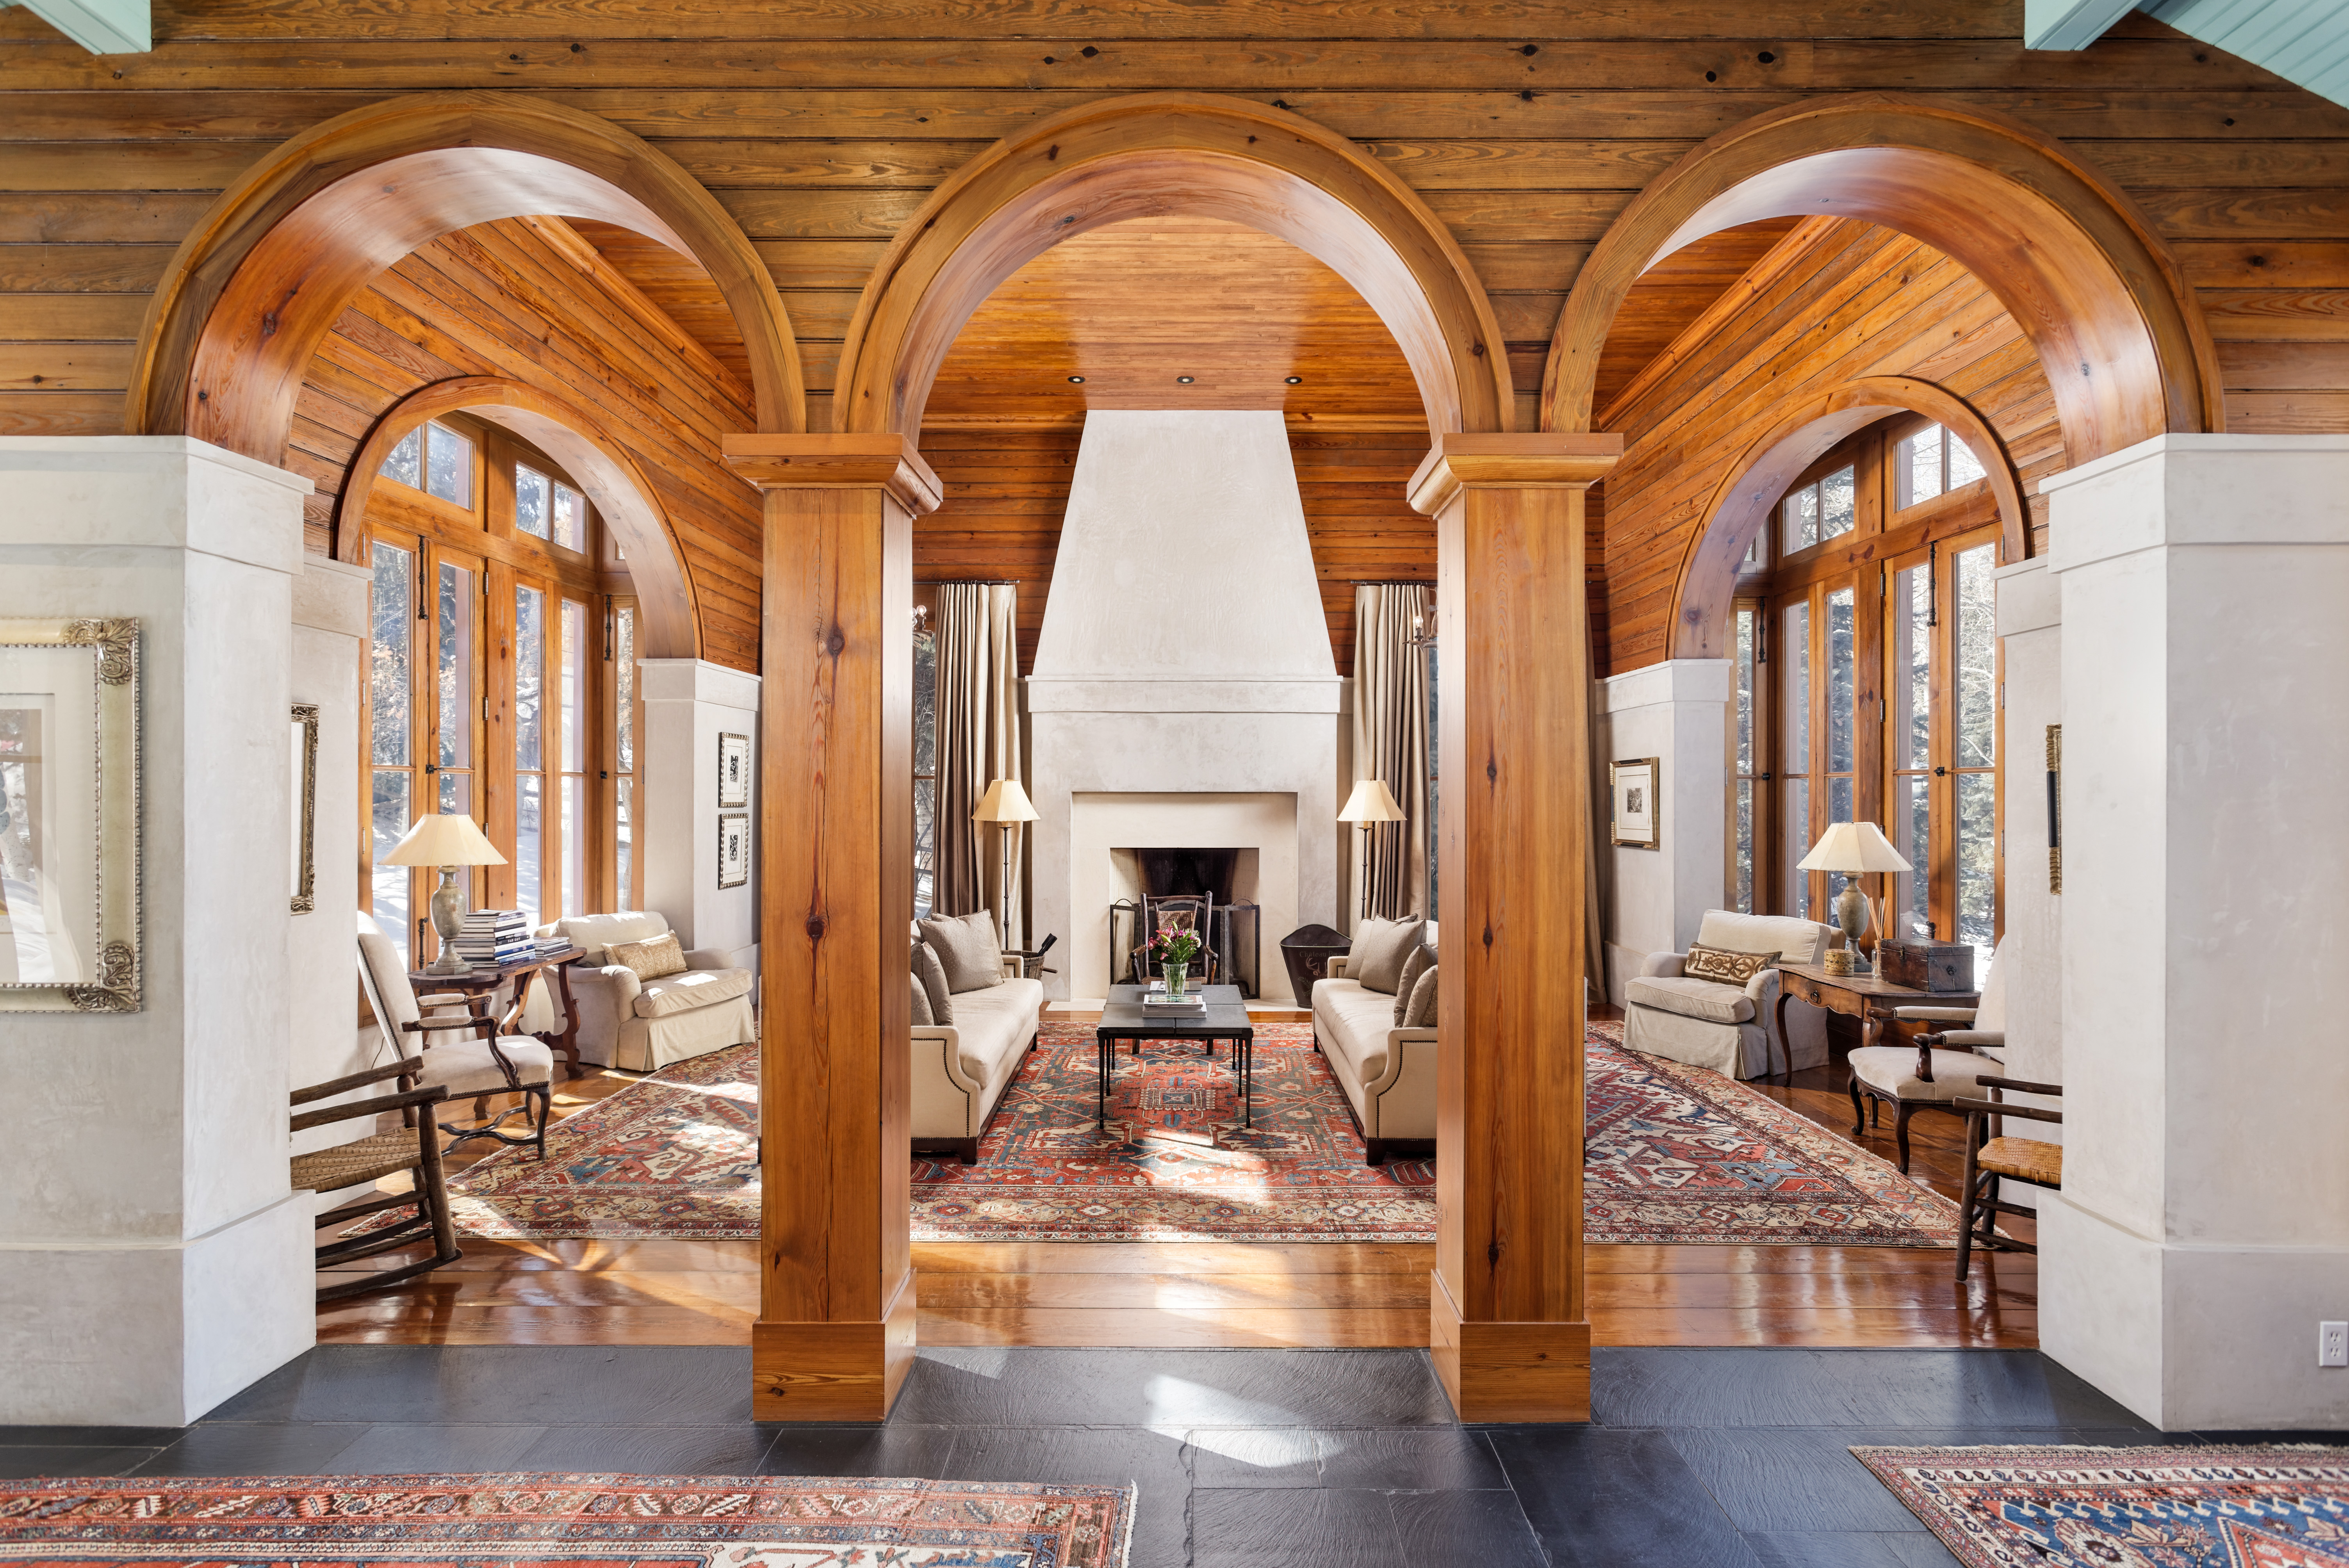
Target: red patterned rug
[(658, 1522), (2128, 1508), (1174, 1164), (1674, 1154)]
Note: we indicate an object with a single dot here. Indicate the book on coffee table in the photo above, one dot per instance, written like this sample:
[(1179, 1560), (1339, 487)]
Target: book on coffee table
[(1159, 1002)]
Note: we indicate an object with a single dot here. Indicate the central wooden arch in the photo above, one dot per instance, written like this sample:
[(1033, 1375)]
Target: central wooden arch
[(258, 281), (2118, 330), (1156, 154)]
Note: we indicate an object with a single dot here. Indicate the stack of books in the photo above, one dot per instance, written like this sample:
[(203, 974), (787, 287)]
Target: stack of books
[(495, 936), (1157, 1003)]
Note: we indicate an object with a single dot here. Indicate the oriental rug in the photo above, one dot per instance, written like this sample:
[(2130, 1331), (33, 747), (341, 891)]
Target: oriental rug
[(2128, 1508), (675, 1522)]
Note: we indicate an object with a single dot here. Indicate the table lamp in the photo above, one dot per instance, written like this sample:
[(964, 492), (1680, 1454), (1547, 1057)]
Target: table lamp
[(1004, 804), (448, 840), (1854, 849), (1372, 801)]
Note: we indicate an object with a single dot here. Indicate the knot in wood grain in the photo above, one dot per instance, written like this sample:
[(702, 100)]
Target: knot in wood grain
[(836, 642), (815, 924)]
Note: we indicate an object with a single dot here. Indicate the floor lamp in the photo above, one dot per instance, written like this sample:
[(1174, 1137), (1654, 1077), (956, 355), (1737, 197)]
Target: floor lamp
[(1372, 802), (1005, 805)]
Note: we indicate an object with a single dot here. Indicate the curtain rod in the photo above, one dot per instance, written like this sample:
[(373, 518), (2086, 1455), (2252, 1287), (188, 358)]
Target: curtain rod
[(1395, 583), (965, 582)]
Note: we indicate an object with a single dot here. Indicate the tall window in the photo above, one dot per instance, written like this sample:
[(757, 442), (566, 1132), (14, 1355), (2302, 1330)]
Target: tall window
[(1883, 704), (926, 768), (485, 694)]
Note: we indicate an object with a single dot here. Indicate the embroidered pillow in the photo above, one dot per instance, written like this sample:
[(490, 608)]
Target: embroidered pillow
[(650, 960), (1720, 964), (966, 945), (1420, 961), (931, 975), (1421, 1014)]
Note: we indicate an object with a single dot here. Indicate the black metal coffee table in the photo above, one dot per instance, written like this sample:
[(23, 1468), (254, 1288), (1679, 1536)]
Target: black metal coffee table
[(1225, 1017)]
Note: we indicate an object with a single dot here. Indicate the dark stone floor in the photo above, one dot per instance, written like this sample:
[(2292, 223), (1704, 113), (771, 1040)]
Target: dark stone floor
[(1264, 1457)]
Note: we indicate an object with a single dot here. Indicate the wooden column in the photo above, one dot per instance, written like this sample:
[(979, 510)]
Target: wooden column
[(1509, 1333), (834, 1337)]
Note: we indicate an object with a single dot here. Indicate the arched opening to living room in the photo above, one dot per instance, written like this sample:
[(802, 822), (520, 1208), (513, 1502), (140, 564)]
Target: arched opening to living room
[(1813, 554), (1506, 1329), (464, 319)]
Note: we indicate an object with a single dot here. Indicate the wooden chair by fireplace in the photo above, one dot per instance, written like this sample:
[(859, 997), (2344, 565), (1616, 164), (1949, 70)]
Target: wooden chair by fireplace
[(1155, 910)]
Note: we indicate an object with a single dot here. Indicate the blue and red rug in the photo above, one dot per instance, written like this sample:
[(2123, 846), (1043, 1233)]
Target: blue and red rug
[(2128, 1508), (647, 1522)]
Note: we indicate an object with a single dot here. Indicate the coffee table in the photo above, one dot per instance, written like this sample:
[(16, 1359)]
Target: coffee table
[(1225, 1017)]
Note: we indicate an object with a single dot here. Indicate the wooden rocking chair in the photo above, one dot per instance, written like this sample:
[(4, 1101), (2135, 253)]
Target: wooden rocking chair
[(414, 1146)]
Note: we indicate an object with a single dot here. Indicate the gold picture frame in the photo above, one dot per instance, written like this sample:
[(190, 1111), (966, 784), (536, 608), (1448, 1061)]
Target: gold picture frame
[(306, 806), (69, 794), (1634, 819)]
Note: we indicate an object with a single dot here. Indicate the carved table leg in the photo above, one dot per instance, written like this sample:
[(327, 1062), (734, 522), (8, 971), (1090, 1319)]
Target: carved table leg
[(1784, 1044), (567, 1042)]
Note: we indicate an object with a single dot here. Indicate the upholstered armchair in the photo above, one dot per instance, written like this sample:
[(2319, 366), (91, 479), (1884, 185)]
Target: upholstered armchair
[(1733, 1029), (639, 1025), (1943, 1066), (463, 1051)]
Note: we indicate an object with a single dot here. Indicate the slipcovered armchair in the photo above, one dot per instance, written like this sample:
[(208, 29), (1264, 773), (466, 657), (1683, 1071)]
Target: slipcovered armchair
[(1733, 1029), (640, 1025)]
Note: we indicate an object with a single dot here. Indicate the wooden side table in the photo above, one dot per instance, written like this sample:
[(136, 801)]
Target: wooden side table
[(1868, 998), (485, 977)]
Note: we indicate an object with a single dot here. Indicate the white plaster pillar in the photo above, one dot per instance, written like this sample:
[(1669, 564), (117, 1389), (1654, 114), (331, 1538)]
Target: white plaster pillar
[(2203, 1228), (153, 1259), (2031, 627), (329, 645), (689, 703), (1677, 712)]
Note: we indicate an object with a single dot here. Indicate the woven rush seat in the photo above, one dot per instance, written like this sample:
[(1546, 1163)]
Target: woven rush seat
[(349, 1164), (2025, 1159)]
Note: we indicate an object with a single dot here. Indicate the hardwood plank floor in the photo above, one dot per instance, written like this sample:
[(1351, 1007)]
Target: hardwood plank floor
[(1205, 1295)]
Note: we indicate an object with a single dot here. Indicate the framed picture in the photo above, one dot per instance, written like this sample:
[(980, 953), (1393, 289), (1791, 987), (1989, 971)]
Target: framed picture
[(733, 847), (734, 770), (70, 925), (306, 806), (1633, 817)]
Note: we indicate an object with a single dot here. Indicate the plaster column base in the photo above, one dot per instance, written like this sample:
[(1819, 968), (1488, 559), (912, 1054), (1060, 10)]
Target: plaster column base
[(153, 1336), (2188, 1337)]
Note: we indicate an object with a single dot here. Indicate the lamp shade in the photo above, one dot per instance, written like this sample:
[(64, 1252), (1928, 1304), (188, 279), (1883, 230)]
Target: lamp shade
[(1372, 801), (1853, 847), (448, 840), (1005, 801)]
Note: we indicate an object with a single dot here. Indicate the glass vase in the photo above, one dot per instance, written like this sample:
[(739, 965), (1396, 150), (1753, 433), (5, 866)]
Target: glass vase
[(1178, 978)]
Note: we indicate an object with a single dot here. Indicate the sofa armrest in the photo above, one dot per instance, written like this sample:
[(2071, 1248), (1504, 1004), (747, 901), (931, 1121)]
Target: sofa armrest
[(1935, 1015), (1662, 966), (711, 960), (1335, 969), (1971, 1039), (1403, 1097), (945, 1102), (1014, 966), (625, 985), (1762, 988)]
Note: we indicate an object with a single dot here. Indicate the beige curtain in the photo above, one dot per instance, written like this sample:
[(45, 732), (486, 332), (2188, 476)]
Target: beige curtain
[(1391, 737), (979, 742)]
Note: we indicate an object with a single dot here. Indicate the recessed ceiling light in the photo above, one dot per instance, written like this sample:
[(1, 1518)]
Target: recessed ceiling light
[(1184, 380), (1076, 380), (1297, 381)]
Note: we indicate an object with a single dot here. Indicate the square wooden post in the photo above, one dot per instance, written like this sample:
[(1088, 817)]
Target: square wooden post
[(834, 1337), (1508, 1331)]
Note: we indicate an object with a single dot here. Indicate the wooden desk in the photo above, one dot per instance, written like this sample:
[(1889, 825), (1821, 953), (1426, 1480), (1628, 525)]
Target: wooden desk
[(486, 977), (1870, 999)]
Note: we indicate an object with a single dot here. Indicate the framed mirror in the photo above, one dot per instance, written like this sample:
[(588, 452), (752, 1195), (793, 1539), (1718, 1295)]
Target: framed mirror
[(69, 915), (305, 806)]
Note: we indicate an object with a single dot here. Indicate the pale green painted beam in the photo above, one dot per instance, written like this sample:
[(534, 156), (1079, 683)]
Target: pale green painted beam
[(2306, 41), (101, 26), (2069, 24)]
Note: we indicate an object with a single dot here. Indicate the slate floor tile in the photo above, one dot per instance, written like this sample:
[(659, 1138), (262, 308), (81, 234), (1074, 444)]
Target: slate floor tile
[(255, 1448), (1155, 1464), (1800, 1478), (1486, 1528), (1616, 1499), (90, 1436), (536, 1383), (1804, 1387), (1419, 1459), (1175, 1389), (650, 1450), (398, 1448), (1293, 1527), (899, 1448), (31, 1463), (1820, 1548)]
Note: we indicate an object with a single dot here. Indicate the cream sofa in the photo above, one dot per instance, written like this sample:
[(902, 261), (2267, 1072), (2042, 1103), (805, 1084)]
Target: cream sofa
[(961, 1070), (1733, 1029), (1388, 1073), (641, 1026)]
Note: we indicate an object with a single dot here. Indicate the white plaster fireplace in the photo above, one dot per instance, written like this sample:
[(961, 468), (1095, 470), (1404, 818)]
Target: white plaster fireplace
[(1182, 695)]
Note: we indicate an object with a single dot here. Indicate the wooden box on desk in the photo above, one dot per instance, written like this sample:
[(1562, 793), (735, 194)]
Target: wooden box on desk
[(1926, 965)]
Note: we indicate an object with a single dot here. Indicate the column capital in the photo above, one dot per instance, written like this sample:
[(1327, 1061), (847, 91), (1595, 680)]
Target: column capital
[(883, 461), (1542, 459)]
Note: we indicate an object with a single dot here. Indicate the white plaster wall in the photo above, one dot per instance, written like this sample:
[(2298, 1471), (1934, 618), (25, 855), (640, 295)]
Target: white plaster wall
[(152, 1258), (2203, 1230), (322, 1005), (687, 703), (2030, 624), (1100, 824)]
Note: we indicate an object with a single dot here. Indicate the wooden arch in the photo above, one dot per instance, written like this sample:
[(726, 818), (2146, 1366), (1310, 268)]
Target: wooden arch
[(1151, 155), (257, 283), (1798, 436), (609, 477), (2117, 330)]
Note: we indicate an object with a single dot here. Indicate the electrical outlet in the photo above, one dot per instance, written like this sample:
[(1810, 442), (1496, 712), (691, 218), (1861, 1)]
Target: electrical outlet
[(2332, 1345)]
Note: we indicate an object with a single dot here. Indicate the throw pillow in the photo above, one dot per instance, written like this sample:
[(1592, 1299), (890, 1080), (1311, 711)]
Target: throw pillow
[(921, 1004), (1421, 1014), (966, 944), (650, 960), (1704, 963), (1420, 961), (1379, 950), (933, 977)]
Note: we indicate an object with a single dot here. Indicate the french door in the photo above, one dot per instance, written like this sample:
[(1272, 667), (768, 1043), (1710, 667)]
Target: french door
[(1942, 685)]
